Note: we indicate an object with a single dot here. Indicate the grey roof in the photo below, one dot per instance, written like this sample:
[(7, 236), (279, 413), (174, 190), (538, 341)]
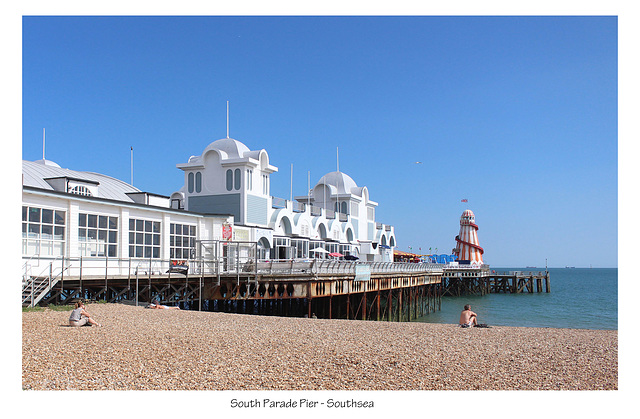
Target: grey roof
[(35, 173)]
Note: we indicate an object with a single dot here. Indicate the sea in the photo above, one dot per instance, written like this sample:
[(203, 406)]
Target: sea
[(580, 298)]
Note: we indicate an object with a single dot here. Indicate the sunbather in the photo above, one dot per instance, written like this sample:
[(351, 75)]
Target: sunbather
[(468, 318), (156, 305), (80, 317)]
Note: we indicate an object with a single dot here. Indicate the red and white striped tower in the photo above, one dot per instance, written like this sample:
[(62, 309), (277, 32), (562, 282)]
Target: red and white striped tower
[(467, 247)]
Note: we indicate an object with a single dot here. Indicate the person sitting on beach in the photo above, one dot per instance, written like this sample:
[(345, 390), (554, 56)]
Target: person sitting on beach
[(80, 317), (156, 305), (468, 318)]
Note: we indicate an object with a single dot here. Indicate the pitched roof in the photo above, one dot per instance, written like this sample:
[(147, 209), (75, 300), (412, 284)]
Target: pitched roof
[(34, 174)]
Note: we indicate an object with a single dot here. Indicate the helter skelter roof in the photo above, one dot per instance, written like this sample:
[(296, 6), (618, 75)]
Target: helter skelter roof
[(36, 173)]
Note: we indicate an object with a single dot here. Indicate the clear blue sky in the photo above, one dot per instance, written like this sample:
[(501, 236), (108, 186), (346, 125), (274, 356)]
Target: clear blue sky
[(516, 114)]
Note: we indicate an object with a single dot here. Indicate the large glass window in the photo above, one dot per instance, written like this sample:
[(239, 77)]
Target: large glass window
[(97, 235), (282, 247), (300, 248), (182, 241), (43, 231), (144, 239)]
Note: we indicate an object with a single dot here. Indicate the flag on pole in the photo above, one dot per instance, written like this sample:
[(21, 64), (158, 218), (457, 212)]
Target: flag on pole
[(464, 200)]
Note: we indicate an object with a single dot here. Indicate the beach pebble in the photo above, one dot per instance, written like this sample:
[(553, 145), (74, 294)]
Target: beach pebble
[(139, 349)]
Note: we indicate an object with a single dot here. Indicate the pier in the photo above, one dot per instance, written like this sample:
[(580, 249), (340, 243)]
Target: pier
[(461, 280), (298, 288)]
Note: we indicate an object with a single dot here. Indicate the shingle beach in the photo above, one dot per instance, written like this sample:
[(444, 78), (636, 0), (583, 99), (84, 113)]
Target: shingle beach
[(142, 349)]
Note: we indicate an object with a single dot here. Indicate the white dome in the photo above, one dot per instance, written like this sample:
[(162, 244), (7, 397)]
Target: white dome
[(234, 149), (48, 163), (343, 182)]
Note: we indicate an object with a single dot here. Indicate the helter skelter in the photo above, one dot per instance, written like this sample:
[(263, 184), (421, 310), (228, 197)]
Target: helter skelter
[(467, 247)]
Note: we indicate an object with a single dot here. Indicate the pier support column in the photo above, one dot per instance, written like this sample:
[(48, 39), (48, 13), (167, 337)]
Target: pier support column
[(378, 303)]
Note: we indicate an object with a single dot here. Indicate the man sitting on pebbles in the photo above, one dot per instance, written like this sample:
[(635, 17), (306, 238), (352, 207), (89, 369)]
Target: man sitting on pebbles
[(468, 318), (80, 317)]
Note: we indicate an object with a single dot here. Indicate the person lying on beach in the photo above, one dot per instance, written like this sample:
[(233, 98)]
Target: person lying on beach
[(80, 317), (156, 305), (468, 318)]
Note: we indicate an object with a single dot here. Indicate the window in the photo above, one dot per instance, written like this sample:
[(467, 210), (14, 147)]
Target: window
[(371, 215), (304, 229), (198, 182), (229, 179), (249, 179), (144, 239), (238, 179), (80, 190), (300, 248), (182, 241), (97, 235), (282, 247), (265, 184), (43, 231), (190, 182), (344, 249)]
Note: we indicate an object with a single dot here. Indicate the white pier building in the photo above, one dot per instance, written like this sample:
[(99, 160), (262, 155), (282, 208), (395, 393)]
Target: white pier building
[(73, 220)]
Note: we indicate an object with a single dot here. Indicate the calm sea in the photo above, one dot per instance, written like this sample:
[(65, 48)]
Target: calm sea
[(580, 298)]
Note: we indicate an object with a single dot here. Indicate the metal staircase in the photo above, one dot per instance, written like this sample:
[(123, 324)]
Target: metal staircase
[(36, 287)]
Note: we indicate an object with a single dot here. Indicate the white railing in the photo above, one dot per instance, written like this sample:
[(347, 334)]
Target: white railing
[(320, 267)]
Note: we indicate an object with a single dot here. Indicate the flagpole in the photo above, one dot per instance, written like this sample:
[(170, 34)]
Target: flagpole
[(309, 190), (131, 165)]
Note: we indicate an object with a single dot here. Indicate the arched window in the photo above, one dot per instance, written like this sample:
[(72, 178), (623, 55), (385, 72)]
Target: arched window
[(80, 190), (191, 182), (238, 176), (344, 208), (229, 179), (198, 182)]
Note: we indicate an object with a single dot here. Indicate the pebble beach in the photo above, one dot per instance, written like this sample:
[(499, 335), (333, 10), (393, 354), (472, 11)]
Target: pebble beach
[(142, 349)]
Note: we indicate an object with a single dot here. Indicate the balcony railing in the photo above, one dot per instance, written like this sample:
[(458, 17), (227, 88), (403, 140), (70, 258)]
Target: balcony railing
[(278, 202)]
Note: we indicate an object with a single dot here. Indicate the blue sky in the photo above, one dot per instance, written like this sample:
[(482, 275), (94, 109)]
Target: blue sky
[(516, 114)]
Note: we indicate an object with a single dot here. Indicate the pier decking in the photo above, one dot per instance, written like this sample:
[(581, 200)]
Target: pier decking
[(324, 288), (480, 281)]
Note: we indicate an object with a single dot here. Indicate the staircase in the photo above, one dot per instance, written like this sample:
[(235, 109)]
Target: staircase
[(36, 287)]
